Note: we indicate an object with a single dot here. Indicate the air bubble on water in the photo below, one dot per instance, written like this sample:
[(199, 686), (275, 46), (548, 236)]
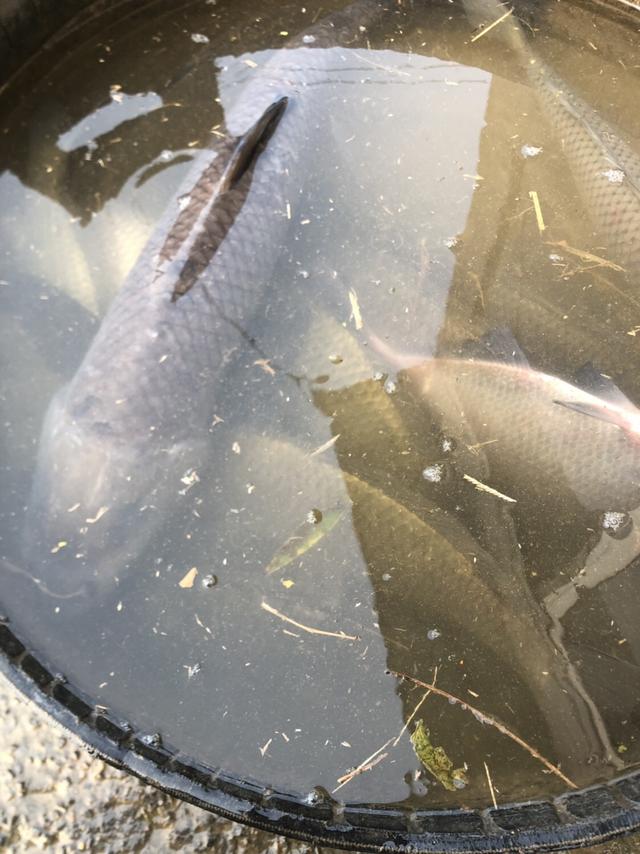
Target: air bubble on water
[(199, 38), (335, 358), (555, 257), (434, 473), (433, 634), (616, 523), (530, 151), (308, 39), (378, 375), (314, 517), (451, 242), (447, 445), (303, 273), (165, 155), (613, 176), (386, 576), (390, 387)]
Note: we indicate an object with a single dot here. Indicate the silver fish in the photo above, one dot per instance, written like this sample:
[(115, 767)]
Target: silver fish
[(538, 433), (133, 422), (605, 167)]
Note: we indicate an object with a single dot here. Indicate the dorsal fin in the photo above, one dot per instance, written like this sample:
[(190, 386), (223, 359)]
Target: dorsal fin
[(496, 345), (249, 144), (600, 385)]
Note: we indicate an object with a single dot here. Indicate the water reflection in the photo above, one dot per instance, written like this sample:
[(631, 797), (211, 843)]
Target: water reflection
[(263, 430)]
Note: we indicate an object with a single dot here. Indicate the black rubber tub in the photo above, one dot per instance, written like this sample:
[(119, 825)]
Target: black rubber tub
[(588, 816)]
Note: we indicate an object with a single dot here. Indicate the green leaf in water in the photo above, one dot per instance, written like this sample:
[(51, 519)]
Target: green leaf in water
[(313, 529), (436, 761)]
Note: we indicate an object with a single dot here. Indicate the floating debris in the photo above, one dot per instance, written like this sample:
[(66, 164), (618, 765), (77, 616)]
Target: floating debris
[(188, 580), (495, 23), (538, 210), (189, 478), (92, 520), (436, 761), (530, 151), (209, 580), (617, 524), (390, 387), (335, 359), (585, 256), (355, 309), (433, 634), (483, 718), (60, 545), (316, 526), (613, 176), (199, 38), (309, 629), (491, 789), (433, 473), (325, 447), (482, 487), (265, 364)]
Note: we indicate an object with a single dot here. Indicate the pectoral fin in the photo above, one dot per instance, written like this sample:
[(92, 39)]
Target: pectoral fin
[(600, 411)]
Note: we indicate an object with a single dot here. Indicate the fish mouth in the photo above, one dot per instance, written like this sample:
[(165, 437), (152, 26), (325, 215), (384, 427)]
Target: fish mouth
[(98, 503)]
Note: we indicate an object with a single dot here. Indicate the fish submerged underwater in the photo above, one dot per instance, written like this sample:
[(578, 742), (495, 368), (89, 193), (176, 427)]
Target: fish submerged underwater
[(132, 426), (540, 434)]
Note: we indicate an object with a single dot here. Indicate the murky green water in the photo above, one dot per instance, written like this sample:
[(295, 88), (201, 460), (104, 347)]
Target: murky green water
[(379, 426)]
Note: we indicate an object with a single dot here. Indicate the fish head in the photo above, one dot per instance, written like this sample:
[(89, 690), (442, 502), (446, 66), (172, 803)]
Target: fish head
[(98, 501)]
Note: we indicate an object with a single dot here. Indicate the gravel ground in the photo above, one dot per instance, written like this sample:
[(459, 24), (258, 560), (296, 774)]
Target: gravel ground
[(56, 797)]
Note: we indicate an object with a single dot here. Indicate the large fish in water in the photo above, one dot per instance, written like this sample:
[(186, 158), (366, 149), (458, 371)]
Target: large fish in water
[(541, 436), (134, 419), (605, 167)]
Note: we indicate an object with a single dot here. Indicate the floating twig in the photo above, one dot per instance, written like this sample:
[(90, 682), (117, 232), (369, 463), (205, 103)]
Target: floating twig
[(367, 764), (355, 309), (265, 364), (493, 794), (325, 446), (341, 635), (584, 255), (538, 210), (482, 487), (484, 718), (489, 27)]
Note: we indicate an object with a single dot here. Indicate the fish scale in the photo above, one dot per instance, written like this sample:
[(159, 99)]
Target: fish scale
[(593, 148), (537, 444), (137, 412)]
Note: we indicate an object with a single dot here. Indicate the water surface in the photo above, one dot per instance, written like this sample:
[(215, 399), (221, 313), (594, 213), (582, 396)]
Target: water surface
[(343, 518)]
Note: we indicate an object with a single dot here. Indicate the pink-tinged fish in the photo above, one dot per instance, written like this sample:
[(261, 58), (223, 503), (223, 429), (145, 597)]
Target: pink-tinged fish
[(540, 435)]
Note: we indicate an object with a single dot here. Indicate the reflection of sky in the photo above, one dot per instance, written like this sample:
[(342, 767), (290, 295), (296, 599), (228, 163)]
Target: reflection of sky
[(405, 126), (405, 142), (105, 119)]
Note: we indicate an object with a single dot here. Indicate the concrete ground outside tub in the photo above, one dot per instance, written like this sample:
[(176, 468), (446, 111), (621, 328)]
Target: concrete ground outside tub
[(55, 797)]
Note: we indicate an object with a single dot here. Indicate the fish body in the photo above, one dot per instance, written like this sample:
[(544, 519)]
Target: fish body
[(605, 167), (539, 432), (135, 416)]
